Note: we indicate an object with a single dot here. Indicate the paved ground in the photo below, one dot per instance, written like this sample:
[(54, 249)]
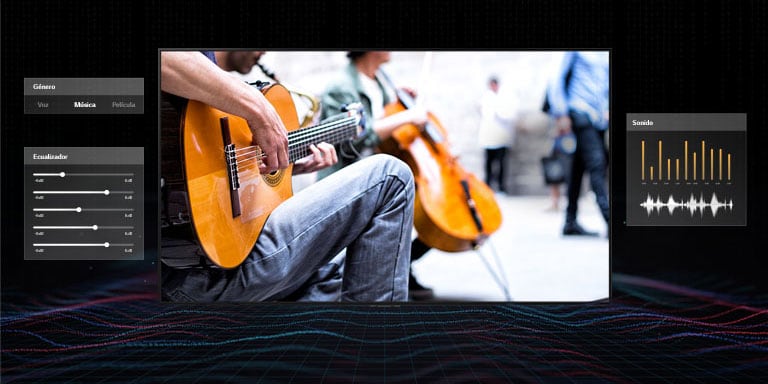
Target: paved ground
[(539, 263)]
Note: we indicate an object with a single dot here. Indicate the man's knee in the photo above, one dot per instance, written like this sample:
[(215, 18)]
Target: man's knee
[(394, 167)]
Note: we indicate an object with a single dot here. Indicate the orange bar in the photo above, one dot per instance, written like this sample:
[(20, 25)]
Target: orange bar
[(686, 160), (703, 163), (729, 167), (651, 172), (642, 157), (669, 169), (677, 169), (659, 159), (720, 162)]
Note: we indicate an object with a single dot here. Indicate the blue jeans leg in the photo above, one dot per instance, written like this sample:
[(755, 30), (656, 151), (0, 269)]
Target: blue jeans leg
[(366, 207), (590, 157)]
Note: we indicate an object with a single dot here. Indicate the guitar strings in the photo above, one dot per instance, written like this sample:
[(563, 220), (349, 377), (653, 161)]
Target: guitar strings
[(294, 153), (247, 164), (252, 150), (302, 137), (305, 134), (310, 130), (305, 140), (294, 150), (293, 146)]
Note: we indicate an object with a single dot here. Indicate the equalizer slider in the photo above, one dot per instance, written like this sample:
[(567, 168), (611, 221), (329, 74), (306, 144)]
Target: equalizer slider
[(84, 203)]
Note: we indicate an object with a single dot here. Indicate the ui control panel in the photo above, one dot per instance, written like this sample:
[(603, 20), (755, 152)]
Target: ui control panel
[(83, 203), (687, 169)]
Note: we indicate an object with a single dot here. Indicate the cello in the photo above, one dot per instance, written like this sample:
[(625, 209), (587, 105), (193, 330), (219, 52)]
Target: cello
[(454, 210)]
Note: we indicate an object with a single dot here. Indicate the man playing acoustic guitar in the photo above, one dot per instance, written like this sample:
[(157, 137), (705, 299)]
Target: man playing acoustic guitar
[(366, 208)]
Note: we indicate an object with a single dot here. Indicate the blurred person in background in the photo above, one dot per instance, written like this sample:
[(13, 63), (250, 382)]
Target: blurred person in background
[(579, 100), (497, 134), (361, 81)]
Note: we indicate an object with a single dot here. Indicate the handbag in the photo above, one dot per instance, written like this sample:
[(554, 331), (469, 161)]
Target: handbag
[(554, 169)]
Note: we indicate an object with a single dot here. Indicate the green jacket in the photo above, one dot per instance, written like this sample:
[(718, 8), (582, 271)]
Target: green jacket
[(344, 89)]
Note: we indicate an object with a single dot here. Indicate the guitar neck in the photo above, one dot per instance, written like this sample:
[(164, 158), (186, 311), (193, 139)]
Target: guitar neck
[(333, 132)]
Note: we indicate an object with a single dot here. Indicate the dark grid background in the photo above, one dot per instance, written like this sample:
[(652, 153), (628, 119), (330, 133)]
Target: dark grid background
[(688, 305), (652, 331)]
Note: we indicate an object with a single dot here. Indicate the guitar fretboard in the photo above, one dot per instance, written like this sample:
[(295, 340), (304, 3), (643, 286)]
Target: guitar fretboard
[(333, 132)]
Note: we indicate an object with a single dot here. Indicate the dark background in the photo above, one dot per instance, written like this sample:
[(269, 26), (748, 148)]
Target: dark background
[(677, 57), (667, 56)]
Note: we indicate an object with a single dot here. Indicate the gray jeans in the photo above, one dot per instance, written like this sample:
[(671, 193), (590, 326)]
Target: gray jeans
[(366, 208)]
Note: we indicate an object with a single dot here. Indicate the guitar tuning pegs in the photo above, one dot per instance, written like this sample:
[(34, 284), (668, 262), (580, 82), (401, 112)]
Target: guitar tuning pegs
[(259, 84), (356, 106)]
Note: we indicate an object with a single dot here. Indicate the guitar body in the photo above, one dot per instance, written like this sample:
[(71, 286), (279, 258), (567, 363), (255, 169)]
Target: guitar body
[(443, 214), (227, 239), (211, 170)]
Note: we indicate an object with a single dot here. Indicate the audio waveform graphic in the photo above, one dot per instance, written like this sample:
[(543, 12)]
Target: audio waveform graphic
[(692, 204)]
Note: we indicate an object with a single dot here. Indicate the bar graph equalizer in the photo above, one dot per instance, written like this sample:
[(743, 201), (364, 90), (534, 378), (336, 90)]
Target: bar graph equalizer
[(686, 169)]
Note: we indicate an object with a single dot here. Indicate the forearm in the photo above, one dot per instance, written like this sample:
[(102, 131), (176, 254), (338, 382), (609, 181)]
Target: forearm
[(386, 125), (191, 75)]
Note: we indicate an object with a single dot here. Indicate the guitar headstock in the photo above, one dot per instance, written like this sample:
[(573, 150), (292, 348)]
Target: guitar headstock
[(357, 111)]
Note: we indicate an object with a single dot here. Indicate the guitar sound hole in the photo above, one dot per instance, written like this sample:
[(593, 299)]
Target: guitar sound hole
[(273, 178)]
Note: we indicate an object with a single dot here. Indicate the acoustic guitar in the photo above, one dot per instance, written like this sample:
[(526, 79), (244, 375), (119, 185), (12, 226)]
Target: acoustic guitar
[(229, 199)]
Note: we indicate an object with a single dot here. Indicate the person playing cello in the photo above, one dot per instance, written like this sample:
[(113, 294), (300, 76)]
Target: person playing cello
[(360, 81)]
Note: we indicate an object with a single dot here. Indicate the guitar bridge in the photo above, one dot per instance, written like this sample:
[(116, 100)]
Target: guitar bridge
[(230, 157), (234, 178)]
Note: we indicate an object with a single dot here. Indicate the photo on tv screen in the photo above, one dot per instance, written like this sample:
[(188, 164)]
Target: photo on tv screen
[(384, 176)]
